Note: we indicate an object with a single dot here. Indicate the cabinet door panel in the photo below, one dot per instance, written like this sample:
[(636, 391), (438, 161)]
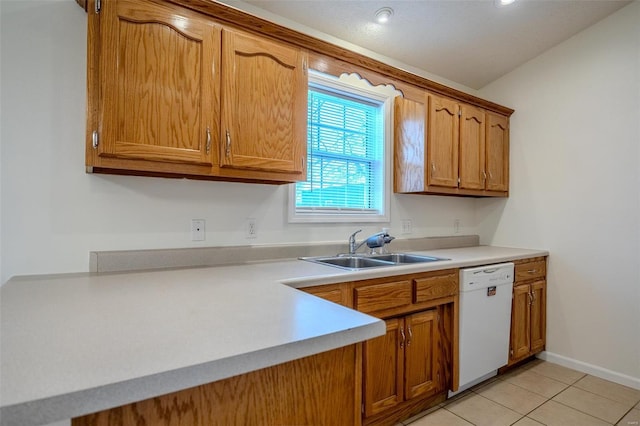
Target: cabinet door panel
[(264, 105), (497, 152), (472, 147), (383, 366), (409, 167), (443, 142), (520, 325), (421, 354), (538, 316), (160, 93)]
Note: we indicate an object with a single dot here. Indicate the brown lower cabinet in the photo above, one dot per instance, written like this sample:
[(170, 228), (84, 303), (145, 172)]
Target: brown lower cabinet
[(403, 364), (414, 364), (529, 309)]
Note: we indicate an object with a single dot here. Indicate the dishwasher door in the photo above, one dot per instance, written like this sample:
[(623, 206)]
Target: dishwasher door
[(485, 322)]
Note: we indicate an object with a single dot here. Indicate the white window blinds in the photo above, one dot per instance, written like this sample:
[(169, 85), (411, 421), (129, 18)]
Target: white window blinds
[(345, 172)]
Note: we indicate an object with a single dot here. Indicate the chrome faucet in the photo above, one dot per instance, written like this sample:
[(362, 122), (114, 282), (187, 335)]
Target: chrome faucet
[(374, 241)]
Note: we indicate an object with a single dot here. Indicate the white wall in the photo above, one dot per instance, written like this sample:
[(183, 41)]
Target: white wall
[(53, 213), (575, 188)]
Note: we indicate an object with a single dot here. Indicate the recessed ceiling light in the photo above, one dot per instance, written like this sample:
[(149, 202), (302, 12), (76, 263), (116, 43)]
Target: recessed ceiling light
[(383, 15), (500, 3)]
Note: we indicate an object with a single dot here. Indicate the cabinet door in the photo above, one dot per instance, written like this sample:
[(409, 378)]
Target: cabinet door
[(159, 83), (409, 135), (472, 147), (442, 143), (421, 354), (538, 315), (497, 152), (520, 322), (264, 105), (383, 366)]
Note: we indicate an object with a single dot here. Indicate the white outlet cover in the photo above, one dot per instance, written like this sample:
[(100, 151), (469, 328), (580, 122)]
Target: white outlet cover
[(197, 229)]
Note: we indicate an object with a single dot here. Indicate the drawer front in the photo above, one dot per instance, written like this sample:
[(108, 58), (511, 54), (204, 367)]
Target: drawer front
[(378, 297), (531, 270), (435, 287), (336, 293)]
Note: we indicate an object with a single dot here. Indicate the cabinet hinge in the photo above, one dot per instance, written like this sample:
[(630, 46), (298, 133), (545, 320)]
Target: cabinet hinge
[(304, 66), (95, 139), (98, 6)]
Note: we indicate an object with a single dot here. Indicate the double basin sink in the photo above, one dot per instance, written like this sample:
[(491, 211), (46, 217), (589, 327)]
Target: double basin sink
[(356, 262)]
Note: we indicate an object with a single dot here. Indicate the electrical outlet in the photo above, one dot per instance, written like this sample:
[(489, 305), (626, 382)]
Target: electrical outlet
[(407, 226), (456, 226), (251, 230), (197, 229)]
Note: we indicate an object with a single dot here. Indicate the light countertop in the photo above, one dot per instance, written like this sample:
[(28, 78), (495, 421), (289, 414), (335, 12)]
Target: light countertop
[(74, 344)]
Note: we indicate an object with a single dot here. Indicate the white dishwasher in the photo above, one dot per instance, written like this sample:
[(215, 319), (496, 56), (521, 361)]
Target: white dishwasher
[(485, 322)]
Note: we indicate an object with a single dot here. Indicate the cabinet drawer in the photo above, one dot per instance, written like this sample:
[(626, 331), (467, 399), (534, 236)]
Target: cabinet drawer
[(378, 297), (430, 288), (336, 293), (531, 270)]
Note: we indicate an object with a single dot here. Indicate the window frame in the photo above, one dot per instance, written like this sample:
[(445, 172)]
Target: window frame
[(355, 88)]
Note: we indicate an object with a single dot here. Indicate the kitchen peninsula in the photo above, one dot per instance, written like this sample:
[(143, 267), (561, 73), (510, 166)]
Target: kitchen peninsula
[(80, 343)]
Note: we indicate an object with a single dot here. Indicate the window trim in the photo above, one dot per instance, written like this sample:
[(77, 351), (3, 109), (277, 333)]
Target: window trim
[(357, 87)]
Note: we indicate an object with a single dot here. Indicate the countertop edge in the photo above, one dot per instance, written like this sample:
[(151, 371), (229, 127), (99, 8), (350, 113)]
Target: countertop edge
[(89, 401)]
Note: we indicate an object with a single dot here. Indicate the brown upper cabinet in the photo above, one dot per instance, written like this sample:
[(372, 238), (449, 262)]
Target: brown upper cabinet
[(195, 88), (264, 94), (171, 92), (497, 152), (446, 147)]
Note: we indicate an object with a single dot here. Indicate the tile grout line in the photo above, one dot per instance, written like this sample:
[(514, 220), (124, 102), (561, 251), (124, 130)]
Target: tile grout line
[(605, 397), (511, 409), (586, 414)]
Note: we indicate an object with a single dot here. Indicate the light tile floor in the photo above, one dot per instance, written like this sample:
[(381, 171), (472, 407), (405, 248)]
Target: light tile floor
[(538, 393)]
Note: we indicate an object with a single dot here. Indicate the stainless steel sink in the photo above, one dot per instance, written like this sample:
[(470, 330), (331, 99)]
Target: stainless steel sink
[(349, 262), (356, 262), (405, 258)]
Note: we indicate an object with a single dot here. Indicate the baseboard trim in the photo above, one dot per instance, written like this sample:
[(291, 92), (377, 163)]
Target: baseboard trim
[(594, 370)]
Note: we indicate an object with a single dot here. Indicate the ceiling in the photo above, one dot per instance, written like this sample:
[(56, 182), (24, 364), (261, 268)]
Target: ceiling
[(470, 42)]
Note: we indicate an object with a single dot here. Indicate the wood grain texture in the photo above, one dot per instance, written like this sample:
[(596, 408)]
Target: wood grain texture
[(297, 392), (159, 87), (396, 384), (520, 323), (336, 293), (264, 105), (472, 147), (497, 160), (538, 316), (239, 19), (530, 270), (422, 354), (442, 142), (436, 286), (379, 297), (448, 345), (384, 369), (409, 145), (529, 309)]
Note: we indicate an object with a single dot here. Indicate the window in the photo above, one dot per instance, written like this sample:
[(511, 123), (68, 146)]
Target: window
[(348, 166)]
